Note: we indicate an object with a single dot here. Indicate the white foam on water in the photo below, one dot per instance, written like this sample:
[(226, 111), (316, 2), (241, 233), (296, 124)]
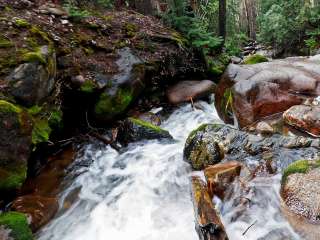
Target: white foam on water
[(141, 194)]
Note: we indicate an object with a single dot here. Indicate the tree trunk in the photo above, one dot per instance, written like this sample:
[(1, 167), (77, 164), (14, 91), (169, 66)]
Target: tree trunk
[(222, 18)]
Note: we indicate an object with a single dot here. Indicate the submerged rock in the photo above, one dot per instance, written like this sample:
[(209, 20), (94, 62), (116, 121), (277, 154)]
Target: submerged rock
[(208, 222), (14, 226), (300, 189), (304, 118), (134, 129), (253, 92), (186, 90), (15, 145)]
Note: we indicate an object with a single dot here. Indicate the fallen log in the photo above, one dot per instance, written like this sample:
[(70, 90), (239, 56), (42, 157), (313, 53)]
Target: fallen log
[(208, 223)]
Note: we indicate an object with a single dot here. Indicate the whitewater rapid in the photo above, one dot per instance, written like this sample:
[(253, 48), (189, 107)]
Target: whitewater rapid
[(140, 194)]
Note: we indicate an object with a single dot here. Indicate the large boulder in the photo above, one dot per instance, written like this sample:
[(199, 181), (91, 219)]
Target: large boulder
[(14, 226), (300, 189), (305, 118), (121, 88), (212, 143), (15, 145), (186, 90), (253, 92)]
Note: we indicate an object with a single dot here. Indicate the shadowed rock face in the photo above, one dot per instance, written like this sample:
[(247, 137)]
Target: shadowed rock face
[(305, 118), (260, 90)]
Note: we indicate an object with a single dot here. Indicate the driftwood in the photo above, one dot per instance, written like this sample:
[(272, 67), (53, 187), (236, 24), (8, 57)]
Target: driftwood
[(208, 223)]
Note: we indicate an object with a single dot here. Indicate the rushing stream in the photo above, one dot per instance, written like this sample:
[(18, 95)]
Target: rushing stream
[(144, 194), (141, 194)]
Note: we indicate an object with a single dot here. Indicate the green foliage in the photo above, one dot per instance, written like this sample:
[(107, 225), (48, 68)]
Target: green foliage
[(75, 13), (286, 25), (18, 224), (19, 22)]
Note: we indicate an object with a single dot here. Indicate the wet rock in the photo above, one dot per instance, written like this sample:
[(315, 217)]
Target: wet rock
[(305, 118), (33, 81), (39, 210), (300, 189), (212, 143), (220, 176), (14, 226), (134, 129), (264, 128), (150, 117), (15, 145), (235, 60), (53, 9), (203, 149), (253, 92), (186, 90), (125, 86), (208, 223)]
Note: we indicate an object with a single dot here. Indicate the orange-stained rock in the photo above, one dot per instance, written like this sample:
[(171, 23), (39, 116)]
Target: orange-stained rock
[(183, 91), (219, 176), (208, 223), (305, 118), (40, 210), (253, 92)]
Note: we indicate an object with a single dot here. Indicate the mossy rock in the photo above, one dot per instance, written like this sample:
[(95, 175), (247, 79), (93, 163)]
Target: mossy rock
[(217, 65), (301, 166), (112, 105), (135, 129), (15, 145), (254, 59), (202, 149), (15, 226)]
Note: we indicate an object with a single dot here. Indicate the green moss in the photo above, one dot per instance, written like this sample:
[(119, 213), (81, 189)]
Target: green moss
[(9, 107), (130, 29), (5, 43), (194, 132), (55, 119), (114, 104), (18, 224), (34, 110), (146, 125), (41, 131), (21, 23), (37, 32), (226, 102), (12, 178), (217, 64), (35, 56), (254, 59), (302, 166), (88, 87)]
